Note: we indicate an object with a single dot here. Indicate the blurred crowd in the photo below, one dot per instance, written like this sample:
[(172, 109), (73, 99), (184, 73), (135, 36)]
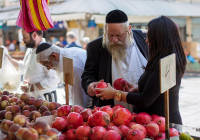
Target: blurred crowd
[(70, 40)]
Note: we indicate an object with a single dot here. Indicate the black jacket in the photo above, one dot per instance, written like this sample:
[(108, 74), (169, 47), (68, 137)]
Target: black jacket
[(148, 98), (99, 63)]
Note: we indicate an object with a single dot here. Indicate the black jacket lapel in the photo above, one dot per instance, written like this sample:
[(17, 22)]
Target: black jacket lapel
[(140, 41)]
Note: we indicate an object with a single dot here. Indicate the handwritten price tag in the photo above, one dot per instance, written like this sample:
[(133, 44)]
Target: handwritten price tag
[(167, 72)]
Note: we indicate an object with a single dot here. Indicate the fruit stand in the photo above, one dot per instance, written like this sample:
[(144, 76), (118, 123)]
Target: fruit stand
[(26, 118)]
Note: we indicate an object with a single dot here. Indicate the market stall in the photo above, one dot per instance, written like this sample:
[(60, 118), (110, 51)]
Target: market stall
[(23, 117)]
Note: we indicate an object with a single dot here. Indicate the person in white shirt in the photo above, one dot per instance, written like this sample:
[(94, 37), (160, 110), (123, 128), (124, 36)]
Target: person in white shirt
[(41, 82), (52, 57)]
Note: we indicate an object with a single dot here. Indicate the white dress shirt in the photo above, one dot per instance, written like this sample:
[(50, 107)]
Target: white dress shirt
[(77, 95)]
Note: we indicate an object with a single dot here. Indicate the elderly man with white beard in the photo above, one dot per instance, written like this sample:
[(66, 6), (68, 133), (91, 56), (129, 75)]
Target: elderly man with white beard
[(120, 53), (51, 56)]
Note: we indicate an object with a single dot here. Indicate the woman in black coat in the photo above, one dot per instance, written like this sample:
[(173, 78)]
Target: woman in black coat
[(163, 39)]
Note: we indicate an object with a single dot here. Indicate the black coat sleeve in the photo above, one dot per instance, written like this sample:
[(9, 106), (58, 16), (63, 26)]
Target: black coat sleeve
[(149, 90), (91, 66)]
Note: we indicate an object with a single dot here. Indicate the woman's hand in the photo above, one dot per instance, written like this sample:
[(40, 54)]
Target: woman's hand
[(106, 93)]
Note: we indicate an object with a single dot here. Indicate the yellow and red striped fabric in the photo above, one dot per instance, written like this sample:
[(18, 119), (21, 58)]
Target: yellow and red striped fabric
[(34, 15)]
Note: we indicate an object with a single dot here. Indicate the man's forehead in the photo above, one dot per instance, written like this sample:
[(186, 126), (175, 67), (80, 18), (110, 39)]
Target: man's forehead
[(115, 28)]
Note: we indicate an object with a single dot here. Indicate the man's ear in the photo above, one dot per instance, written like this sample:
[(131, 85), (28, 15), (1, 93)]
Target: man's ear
[(129, 29), (34, 35), (54, 56)]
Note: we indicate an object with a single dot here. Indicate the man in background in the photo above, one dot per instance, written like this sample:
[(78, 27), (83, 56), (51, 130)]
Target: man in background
[(71, 39), (85, 41), (41, 82), (52, 57)]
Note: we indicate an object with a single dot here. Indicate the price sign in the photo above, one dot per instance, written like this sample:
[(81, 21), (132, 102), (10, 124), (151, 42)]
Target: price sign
[(167, 72), (167, 81)]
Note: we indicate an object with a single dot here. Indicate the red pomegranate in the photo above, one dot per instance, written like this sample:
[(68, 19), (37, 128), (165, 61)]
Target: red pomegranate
[(161, 123), (139, 127), (124, 129), (108, 110), (119, 84), (99, 118), (59, 123), (112, 135), (131, 124), (95, 109), (121, 116), (70, 134), (63, 110), (173, 132), (74, 120), (152, 129), (117, 106), (115, 128), (86, 113), (83, 132), (135, 134), (143, 118), (97, 133), (101, 85), (77, 108)]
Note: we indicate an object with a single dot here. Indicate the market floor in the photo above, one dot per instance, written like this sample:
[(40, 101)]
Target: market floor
[(189, 100)]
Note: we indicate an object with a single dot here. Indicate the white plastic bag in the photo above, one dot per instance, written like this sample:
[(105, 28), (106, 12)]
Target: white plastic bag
[(9, 77)]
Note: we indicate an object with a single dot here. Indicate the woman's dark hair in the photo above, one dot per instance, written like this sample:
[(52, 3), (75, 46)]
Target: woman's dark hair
[(163, 38)]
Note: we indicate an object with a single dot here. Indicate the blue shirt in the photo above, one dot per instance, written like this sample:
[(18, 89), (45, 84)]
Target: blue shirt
[(73, 44)]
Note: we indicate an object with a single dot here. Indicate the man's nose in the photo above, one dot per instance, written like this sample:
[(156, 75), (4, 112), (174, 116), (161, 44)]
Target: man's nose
[(115, 39)]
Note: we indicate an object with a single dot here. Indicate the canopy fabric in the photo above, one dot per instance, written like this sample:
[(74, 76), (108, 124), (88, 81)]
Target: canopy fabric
[(76, 9), (130, 7)]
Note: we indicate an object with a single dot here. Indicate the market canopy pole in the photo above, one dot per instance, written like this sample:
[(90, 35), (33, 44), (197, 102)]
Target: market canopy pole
[(1, 57), (167, 81), (68, 76)]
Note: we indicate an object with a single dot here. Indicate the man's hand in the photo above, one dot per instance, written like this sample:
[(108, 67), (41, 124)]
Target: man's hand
[(91, 88)]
